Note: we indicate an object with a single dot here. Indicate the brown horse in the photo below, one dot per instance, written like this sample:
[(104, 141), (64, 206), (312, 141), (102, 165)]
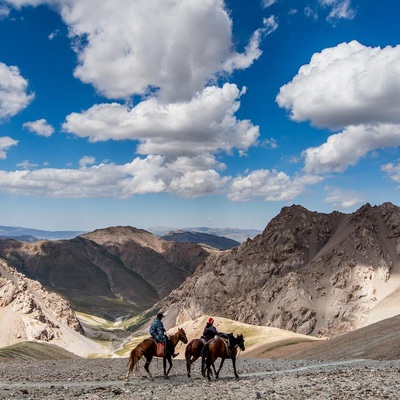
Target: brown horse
[(148, 349), (193, 352), (216, 348)]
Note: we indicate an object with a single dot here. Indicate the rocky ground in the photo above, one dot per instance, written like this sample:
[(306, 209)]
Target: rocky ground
[(259, 379)]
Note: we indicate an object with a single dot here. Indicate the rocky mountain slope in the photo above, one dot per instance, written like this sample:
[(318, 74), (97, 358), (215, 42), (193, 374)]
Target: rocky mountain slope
[(30, 313), (108, 272), (311, 273), (218, 242)]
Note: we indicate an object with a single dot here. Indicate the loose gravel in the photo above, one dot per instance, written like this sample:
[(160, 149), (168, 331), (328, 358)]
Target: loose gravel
[(259, 379)]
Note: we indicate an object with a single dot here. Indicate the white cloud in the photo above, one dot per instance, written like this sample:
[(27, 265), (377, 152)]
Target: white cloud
[(5, 143), (26, 164), (342, 199), (13, 91), (186, 177), (341, 9), (86, 160), (271, 185), (252, 51), (198, 183), (206, 124), (126, 48), (350, 87), (345, 85), (345, 148), (268, 3), (392, 171), (54, 34), (4, 12), (41, 127)]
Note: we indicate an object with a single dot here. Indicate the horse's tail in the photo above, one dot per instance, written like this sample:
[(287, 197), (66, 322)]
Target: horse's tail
[(135, 356), (204, 354)]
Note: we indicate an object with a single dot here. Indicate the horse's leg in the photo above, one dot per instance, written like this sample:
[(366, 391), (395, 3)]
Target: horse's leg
[(165, 365), (215, 371), (219, 369), (189, 361), (146, 365), (234, 367)]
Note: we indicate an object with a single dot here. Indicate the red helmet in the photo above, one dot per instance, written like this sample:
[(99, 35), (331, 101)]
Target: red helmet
[(210, 321)]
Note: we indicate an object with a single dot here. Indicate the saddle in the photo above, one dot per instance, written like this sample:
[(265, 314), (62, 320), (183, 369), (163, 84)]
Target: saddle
[(227, 342)]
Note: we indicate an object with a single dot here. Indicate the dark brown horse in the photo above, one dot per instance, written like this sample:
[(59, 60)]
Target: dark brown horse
[(148, 349), (193, 352), (217, 348)]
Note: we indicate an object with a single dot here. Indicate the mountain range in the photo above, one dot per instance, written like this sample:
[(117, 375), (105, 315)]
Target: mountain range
[(309, 273)]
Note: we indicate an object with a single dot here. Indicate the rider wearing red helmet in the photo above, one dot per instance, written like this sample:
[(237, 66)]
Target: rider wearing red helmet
[(210, 330)]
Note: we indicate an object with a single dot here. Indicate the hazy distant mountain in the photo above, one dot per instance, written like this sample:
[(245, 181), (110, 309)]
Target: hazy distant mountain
[(28, 234), (238, 234), (218, 242), (306, 272)]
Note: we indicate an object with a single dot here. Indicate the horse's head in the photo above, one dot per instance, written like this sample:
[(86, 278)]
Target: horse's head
[(182, 335), (239, 339)]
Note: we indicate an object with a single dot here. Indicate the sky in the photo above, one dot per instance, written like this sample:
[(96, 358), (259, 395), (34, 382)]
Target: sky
[(188, 113)]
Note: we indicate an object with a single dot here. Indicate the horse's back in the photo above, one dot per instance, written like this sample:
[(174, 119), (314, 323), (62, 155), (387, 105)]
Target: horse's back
[(194, 347)]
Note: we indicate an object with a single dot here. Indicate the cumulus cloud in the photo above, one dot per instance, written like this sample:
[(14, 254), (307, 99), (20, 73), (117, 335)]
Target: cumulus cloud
[(205, 124), (271, 185), (349, 84), (153, 174), (5, 143), (173, 47), (41, 127), (13, 91), (350, 87), (346, 148)]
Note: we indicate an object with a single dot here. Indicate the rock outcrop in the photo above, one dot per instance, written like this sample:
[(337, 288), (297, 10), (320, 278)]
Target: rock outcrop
[(312, 273), (29, 312)]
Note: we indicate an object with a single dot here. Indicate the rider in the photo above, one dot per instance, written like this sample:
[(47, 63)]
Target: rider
[(157, 331), (209, 330)]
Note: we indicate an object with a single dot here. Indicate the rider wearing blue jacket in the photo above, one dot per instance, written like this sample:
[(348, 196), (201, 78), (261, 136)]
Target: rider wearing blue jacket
[(157, 331)]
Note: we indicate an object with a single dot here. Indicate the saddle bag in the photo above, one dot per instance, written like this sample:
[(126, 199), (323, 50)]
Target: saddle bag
[(160, 352)]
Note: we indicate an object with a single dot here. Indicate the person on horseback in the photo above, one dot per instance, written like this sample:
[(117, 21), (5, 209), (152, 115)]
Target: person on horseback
[(157, 331), (210, 330)]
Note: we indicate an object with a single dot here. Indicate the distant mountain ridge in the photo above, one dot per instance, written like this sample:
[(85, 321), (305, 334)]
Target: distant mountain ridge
[(218, 242), (30, 234), (238, 234)]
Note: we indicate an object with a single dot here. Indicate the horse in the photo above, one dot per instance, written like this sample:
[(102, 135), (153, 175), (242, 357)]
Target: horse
[(148, 349), (216, 348), (193, 352)]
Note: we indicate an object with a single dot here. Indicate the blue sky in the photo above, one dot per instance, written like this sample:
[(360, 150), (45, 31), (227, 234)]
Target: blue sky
[(190, 113)]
